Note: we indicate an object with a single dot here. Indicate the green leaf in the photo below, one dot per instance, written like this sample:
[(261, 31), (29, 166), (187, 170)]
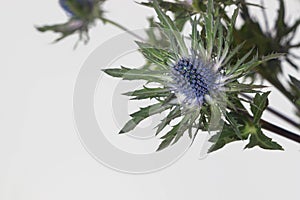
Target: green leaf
[(117, 72), (226, 136), (185, 124), (197, 43), (234, 16), (220, 41), (66, 29), (195, 34), (146, 93), (175, 113), (248, 66), (280, 24), (232, 24), (246, 88), (295, 82), (168, 138), (178, 130), (231, 118), (172, 30), (260, 103), (240, 61), (240, 128), (233, 52), (209, 28), (156, 55), (131, 124), (142, 114), (257, 138), (137, 74)]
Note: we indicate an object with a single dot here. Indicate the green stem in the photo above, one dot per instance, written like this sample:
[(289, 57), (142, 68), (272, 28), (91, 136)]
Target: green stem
[(105, 20), (280, 131)]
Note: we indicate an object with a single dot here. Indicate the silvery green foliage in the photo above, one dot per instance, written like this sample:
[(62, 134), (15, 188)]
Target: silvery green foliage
[(204, 75), (195, 82)]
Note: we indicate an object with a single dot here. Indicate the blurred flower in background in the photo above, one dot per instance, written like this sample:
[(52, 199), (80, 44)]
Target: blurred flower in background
[(82, 14)]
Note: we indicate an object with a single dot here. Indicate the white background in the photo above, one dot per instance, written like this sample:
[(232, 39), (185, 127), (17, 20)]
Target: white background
[(42, 157)]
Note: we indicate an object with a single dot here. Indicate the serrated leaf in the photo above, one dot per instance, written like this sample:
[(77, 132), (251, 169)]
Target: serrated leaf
[(195, 34), (142, 114), (240, 62), (220, 41), (178, 130), (181, 11), (131, 124), (137, 74), (168, 138), (257, 138), (176, 112), (224, 137), (246, 88), (146, 93), (196, 41), (234, 124), (171, 28), (117, 72), (65, 29), (209, 28), (260, 103), (233, 52), (185, 124), (156, 55), (247, 67)]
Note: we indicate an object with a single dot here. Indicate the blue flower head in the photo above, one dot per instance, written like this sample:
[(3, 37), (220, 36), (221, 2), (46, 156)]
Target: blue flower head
[(82, 15), (83, 4), (194, 80)]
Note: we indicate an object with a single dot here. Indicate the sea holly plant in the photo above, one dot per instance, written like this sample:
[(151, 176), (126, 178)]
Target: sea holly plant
[(197, 83), (281, 38), (200, 82)]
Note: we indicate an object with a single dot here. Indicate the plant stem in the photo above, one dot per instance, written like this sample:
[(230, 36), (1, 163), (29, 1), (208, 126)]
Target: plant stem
[(105, 20), (280, 131)]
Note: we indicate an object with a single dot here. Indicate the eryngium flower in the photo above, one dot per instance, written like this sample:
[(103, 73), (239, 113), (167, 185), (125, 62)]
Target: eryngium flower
[(82, 14), (199, 88), (194, 80)]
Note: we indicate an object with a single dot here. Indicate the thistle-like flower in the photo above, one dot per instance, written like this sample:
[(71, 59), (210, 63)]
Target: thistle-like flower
[(197, 84), (194, 80), (82, 14)]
